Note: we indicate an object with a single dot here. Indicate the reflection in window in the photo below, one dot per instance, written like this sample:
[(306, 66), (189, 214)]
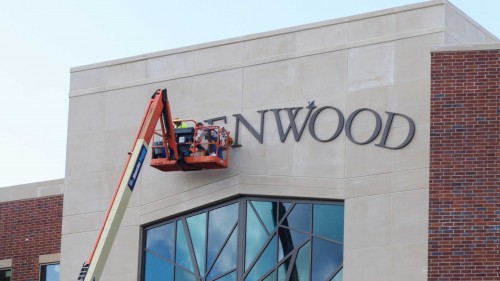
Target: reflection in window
[(49, 272), (5, 274), (249, 240)]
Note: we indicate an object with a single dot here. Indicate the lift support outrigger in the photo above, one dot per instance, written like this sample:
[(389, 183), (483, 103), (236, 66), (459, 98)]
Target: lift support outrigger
[(177, 150)]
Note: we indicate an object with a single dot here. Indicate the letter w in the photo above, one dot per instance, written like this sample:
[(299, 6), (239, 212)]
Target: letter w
[(292, 114)]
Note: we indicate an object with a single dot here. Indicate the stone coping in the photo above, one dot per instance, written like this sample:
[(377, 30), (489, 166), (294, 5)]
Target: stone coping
[(31, 190), (272, 33), (466, 47)]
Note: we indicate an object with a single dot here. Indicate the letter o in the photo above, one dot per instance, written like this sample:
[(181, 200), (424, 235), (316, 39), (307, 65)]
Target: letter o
[(378, 126), (312, 121)]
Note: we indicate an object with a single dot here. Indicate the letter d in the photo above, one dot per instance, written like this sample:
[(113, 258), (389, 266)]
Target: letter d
[(388, 124)]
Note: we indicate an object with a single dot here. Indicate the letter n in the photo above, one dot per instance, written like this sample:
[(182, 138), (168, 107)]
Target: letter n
[(258, 136)]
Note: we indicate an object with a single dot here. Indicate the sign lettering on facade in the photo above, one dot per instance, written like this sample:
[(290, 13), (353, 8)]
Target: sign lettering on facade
[(297, 127)]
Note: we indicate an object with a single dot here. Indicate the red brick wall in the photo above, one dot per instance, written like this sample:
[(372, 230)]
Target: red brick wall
[(464, 214), (28, 229)]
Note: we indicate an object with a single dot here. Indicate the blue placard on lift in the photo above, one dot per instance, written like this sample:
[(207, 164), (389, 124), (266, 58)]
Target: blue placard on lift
[(137, 167)]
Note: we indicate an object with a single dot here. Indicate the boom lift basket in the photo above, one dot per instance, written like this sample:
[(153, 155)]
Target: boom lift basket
[(198, 147)]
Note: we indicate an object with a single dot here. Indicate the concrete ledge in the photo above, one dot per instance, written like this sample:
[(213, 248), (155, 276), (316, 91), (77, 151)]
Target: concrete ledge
[(31, 190), (466, 47), (50, 258)]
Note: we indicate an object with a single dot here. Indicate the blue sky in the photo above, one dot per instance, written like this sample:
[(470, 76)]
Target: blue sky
[(42, 40)]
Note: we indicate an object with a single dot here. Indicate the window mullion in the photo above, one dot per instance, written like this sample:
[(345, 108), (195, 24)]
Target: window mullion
[(257, 215), (240, 265), (175, 251), (336, 271), (292, 264), (204, 274), (191, 250)]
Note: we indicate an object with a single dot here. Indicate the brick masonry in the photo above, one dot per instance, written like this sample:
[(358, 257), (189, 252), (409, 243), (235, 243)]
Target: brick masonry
[(30, 228), (464, 214)]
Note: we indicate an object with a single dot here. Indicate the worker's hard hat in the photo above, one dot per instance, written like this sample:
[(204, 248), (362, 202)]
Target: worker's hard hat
[(177, 119)]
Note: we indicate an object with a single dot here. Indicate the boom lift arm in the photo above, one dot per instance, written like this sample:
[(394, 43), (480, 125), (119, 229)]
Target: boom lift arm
[(158, 109)]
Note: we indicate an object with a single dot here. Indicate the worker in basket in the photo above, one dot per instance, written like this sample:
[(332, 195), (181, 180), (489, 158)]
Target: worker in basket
[(178, 123), (225, 140), (210, 140), (217, 145)]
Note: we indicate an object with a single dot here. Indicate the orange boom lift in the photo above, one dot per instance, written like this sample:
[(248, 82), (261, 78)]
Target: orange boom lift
[(174, 149)]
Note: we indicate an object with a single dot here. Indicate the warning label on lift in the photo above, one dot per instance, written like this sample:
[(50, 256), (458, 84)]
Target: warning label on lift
[(137, 167)]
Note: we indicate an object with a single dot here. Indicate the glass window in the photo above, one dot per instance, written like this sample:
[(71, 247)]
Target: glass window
[(5, 274), (249, 239), (49, 272)]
